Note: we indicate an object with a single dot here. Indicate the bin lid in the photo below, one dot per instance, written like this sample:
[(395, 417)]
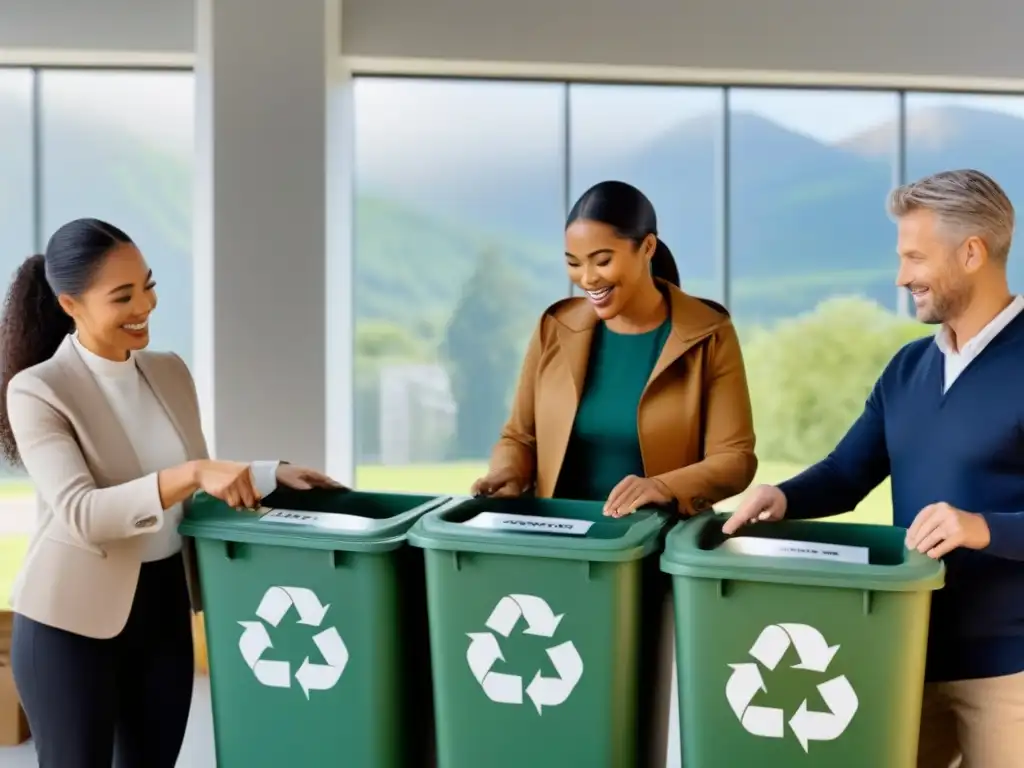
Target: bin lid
[(329, 519), (532, 527), (693, 550)]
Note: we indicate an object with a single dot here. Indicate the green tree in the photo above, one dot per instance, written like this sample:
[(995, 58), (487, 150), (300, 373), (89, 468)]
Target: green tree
[(481, 350), (379, 339), (809, 376)]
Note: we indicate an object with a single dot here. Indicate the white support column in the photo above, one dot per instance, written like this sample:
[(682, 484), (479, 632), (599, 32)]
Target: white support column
[(340, 263), (261, 236)]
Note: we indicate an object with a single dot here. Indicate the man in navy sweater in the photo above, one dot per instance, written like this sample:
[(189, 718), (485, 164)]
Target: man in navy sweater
[(946, 421)]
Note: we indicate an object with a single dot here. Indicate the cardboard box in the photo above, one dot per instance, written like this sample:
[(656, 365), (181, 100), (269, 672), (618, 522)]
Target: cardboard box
[(13, 723)]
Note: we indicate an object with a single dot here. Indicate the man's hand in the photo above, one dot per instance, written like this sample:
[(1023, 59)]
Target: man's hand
[(940, 528), (634, 492), (765, 503)]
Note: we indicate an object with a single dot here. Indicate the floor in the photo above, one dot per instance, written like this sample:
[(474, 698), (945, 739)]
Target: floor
[(197, 753), (198, 750)]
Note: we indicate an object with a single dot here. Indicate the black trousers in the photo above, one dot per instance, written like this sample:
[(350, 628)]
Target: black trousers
[(123, 701)]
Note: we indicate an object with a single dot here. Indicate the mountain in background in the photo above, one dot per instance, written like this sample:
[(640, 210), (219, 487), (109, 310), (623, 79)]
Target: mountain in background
[(807, 218)]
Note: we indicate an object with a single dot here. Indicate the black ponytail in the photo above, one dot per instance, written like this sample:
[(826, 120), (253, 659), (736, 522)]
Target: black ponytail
[(32, 327), (33, 324), (663, 264), (627, 210)]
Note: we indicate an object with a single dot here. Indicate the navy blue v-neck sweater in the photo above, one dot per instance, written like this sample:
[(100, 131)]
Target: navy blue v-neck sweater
[(964, 447)]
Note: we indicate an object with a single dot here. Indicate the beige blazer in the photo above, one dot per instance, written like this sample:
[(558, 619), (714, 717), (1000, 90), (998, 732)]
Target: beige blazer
[(94, 501)]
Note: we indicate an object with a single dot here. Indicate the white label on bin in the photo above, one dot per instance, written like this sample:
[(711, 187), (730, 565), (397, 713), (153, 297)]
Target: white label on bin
[(753, 545), (255, 641), (330, 521), (497, 521), (814, 655), (540, 620)]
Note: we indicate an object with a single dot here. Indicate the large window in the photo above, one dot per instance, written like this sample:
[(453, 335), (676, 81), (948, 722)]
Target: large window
[(772, 200), (16, 178), (460, 190), (947, 131), (17, 186), (809, 172), (666, 141), (118, 146), (812, 264)]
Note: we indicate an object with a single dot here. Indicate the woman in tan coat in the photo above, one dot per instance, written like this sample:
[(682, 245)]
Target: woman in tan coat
[(635, 393)]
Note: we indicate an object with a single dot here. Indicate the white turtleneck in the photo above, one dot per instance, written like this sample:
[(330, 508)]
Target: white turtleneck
[(154, 438)]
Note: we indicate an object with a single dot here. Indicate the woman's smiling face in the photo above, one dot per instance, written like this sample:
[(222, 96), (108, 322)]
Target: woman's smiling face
[(607, 267), (113, 312)]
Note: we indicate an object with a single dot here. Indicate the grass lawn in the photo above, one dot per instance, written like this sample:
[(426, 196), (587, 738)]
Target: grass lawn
[(454, 478), (12, 551), (457, 478), (11, 488)]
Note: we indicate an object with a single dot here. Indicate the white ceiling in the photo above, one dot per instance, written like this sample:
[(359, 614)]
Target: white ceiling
[(902, 37)]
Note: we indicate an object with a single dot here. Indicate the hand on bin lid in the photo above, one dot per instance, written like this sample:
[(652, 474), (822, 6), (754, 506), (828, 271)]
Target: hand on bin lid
[(634, 492), (500, 483), (763, 504), (304, 478)]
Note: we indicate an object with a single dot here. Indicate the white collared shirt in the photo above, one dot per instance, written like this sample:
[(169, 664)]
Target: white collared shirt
[(958, 359)]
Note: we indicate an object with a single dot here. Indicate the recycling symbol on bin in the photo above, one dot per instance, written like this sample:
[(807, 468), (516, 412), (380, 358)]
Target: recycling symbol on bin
[(255, 641), (503, 688), (815, 655)]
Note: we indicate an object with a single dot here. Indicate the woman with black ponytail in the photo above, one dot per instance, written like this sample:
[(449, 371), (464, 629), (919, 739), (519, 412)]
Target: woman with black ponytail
[(111, 438), (635, 393)]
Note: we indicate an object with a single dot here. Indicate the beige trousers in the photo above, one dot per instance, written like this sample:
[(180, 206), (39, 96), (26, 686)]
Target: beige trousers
[(973, 724)]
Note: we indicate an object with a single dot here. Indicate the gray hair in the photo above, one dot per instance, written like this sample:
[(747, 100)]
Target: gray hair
[(967, 200)]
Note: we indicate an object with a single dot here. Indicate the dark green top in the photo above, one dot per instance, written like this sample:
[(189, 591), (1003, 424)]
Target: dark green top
[(605, 445)]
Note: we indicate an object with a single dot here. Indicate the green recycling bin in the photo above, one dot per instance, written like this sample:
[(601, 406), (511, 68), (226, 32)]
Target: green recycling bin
[(799, 643), (545, 619), (315, 619)]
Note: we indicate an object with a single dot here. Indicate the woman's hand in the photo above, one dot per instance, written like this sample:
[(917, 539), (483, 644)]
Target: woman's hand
[(634, 492), (303, 478), (230, 481), (499, 483)]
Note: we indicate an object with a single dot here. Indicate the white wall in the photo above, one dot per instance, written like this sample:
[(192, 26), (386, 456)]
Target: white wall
[(911, 37), (105, 25), (920, 37)]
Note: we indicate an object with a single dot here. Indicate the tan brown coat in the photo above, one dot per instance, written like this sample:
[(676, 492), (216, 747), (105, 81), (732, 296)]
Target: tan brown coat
[(694, 420)]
